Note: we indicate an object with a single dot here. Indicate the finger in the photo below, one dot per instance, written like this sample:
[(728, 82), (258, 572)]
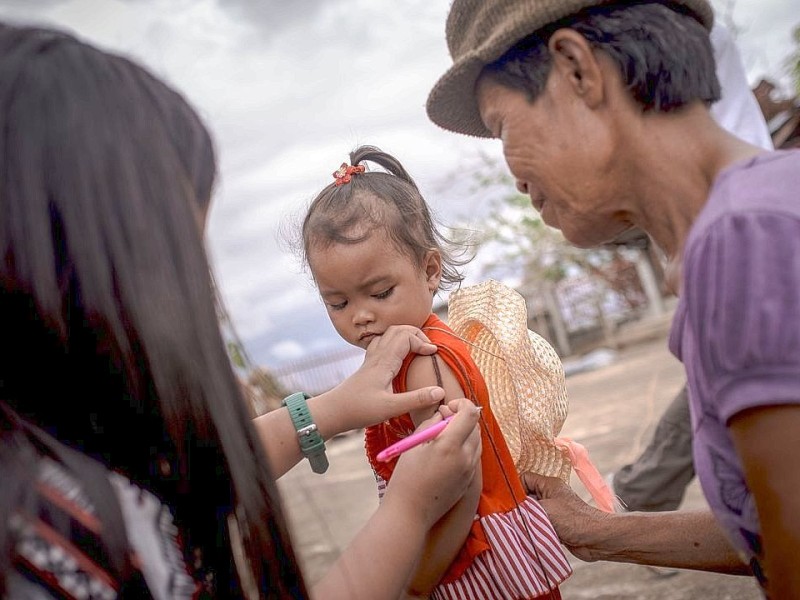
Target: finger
[(461, 404), (452, 405), (463, 424), (407, 330), (434, 418), (396, 343), (412, 335), (445, 411), (420, 344), (541, 486), (408, 401), (532, 483)]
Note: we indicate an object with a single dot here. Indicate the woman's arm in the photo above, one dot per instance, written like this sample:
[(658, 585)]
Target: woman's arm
[(444, 541), (427, 481), (446, 537), (363, 399), (681, 539), (766, 439)]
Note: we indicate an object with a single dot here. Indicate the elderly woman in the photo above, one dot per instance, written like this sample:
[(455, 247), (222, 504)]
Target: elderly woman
[(602, 110)]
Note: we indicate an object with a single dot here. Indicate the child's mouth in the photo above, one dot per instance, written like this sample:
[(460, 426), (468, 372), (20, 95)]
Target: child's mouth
[(366, 336)]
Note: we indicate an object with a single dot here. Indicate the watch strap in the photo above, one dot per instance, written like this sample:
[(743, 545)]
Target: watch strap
[(311, 443)]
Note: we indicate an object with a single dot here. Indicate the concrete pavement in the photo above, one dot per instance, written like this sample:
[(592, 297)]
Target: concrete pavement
[(613, 411)]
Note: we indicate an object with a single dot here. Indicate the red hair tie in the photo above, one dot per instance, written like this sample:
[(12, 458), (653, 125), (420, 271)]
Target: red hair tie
[(345, 173)]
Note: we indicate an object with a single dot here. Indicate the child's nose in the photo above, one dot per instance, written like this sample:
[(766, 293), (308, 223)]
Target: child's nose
[(362, 316)]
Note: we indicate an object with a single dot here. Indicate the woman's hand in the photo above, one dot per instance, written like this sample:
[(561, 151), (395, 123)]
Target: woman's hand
[(426, 482), (429, 479), (448, 534), (366, 398), (575, 521), (675, 539)]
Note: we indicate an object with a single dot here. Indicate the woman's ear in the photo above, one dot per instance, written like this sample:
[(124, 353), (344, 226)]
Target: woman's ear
[(433, 269), (575, 60)]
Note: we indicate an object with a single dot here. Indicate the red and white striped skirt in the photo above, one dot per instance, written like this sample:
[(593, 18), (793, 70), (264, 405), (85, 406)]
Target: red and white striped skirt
[(525, 561)]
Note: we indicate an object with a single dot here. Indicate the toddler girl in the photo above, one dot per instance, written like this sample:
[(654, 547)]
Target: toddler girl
[(378, 259)]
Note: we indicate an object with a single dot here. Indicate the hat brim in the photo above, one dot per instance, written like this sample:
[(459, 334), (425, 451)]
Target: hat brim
[(453, 101)]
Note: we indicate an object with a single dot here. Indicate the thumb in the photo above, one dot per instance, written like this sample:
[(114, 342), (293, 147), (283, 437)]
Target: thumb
[(464, 422), (416, 399)]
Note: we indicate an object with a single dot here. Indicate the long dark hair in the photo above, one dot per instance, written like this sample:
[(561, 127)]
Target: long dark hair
[(109, 340)]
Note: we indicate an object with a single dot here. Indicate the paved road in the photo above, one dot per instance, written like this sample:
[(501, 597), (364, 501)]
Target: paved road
[(612, 411)]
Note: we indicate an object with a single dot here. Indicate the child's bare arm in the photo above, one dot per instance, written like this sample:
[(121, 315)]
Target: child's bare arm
[(448, 535), (422, 370)]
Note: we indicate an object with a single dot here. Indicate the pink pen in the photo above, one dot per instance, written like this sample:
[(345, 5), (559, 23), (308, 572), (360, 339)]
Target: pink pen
[(415, 439)]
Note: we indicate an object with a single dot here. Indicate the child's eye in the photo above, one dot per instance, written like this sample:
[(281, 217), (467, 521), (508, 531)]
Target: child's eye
[(337, 306), (384, 294)]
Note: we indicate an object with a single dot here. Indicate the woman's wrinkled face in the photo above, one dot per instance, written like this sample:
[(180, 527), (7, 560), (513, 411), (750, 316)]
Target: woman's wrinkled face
[(560, 153)]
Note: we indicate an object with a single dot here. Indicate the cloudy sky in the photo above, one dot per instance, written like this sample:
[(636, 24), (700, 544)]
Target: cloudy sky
[(288, 88)]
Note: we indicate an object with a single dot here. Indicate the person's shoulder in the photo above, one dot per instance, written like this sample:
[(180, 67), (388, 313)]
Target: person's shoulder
[(765, 177), (435, 328), (764, 184), (760, 165), (441, 334)]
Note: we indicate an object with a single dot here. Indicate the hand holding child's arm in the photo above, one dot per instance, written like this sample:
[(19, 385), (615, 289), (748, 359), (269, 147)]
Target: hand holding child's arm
[(679, 539), (363, 399)]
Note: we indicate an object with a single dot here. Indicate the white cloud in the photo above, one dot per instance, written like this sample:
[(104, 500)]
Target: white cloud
[(764, 34), (288, 89), (288, 350)]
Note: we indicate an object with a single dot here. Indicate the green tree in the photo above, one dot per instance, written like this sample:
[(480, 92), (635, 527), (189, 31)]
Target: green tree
[(236, 354)]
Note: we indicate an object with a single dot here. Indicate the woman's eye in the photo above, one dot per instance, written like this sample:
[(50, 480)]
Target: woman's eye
[(384, 294)]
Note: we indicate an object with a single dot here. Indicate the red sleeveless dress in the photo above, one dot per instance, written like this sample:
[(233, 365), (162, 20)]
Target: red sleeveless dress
[(512, 551)]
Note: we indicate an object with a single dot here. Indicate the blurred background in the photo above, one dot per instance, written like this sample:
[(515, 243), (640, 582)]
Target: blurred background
[(289, 88)]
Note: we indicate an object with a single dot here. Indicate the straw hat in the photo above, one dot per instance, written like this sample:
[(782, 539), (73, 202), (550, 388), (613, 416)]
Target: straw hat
[(524, 375), (481, 31)]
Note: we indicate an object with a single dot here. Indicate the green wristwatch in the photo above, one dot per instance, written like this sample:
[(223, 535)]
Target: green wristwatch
[(311, 442)]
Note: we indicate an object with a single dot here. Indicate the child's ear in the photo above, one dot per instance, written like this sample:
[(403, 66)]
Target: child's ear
[(433, 269)]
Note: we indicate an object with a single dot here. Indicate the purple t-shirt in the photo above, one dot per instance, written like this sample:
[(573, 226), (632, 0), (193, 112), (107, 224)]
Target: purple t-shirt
[(737, 326)]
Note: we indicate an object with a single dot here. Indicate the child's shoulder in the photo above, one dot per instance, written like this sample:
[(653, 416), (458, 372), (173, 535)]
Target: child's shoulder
[(439, 333)]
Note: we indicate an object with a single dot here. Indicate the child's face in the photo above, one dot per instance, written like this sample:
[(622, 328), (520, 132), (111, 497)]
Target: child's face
[(371, 285)]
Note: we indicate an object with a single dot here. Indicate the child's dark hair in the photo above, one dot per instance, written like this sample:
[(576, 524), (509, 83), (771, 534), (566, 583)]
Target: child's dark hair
[(349, 213)]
